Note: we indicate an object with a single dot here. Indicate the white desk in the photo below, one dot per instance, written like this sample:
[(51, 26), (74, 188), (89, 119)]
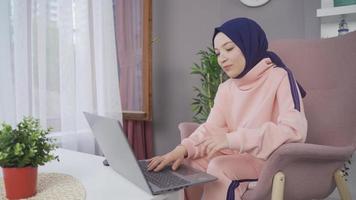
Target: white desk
[(100, 182)]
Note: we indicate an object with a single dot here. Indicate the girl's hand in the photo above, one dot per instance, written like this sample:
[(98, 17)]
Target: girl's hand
[(175, 157), (213, 144)]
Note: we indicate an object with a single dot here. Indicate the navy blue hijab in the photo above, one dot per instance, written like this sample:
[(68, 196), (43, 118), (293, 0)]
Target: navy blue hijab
[(252, 41)]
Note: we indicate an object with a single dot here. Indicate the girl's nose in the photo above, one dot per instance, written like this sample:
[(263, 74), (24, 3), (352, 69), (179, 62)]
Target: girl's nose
[(222, 58)]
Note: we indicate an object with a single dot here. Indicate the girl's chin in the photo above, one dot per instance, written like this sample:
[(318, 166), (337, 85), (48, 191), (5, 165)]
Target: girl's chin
[(232, 75)]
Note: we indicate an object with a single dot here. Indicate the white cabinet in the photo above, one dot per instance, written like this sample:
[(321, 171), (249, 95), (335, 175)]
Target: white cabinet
[(330, 17)]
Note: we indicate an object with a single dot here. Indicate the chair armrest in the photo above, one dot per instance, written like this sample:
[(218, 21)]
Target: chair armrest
[(305, 166), (319, 152), (187, 128)]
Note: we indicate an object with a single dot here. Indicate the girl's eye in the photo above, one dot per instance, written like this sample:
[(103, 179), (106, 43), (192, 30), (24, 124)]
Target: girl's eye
[(229, 49)]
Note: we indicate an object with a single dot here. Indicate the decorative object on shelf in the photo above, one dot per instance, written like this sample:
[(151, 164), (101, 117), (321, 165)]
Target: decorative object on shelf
[(211, 75), (343, 28), (254, 3), (22, 150), (55, 186), (338, 3)]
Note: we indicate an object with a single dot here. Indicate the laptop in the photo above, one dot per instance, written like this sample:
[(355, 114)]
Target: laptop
[(113, 143)]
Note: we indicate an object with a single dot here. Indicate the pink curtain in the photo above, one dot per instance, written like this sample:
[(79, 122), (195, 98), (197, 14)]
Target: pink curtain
[(129, 42), (139, 134)]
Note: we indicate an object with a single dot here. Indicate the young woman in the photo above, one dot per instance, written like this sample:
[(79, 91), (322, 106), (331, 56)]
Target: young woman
[(255, 111)]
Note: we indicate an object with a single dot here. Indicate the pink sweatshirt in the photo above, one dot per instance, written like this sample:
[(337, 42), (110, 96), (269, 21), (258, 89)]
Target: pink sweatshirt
[(256, 112)]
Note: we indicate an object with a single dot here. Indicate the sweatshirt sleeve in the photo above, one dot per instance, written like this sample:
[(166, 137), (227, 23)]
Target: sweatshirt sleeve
[(291, 126), (215, 124)]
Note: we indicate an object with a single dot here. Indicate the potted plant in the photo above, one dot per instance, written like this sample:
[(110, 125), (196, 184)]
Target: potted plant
[(211, 75), (22, 150)]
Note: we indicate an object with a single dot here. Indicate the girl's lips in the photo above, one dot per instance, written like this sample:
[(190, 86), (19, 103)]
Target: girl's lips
[(227, 67)]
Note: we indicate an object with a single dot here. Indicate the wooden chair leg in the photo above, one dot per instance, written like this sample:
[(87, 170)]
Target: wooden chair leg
[(278, 186), (342, 186)]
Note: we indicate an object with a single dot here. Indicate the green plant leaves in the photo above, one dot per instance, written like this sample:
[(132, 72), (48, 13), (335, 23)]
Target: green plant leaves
[(211, 76), (26, 145)]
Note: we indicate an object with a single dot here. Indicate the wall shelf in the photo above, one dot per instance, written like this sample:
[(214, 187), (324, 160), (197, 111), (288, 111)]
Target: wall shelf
[(323, 12)]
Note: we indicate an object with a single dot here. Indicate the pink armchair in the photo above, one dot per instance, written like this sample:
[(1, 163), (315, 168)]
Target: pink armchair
[(327, 70)]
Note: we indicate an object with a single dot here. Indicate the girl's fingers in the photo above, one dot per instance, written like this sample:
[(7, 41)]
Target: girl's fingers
[(151, 161), (212, 152), (161, 165), (210, 147), (176, 164), (206, 143), (201, 142), (205, 146), (154, 163)]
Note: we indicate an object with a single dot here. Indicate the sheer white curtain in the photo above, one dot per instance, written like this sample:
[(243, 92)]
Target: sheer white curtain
[(59, 60)]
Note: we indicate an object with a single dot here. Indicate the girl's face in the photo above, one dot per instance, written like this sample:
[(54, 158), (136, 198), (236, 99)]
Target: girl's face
[(229, 55)]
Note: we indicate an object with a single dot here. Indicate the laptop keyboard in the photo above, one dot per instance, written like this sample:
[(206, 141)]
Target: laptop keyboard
[(162, 179)]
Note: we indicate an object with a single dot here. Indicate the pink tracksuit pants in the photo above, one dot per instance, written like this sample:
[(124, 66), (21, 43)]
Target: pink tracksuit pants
[(226, 168)]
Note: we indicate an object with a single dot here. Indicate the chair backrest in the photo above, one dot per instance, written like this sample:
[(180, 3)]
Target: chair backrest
[(326, 69)]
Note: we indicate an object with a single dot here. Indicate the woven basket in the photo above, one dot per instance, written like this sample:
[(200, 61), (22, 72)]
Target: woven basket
[(54, 186)]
